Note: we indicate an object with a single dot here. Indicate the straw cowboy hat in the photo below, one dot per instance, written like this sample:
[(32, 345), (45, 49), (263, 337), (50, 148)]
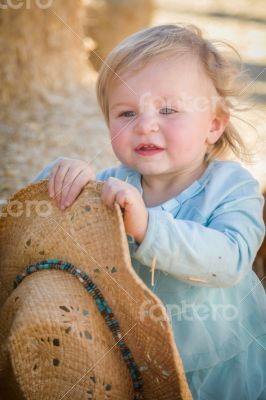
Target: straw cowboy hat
[(76, 321)]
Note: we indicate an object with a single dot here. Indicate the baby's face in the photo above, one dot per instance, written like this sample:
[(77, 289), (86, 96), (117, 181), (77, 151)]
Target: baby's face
[(161, 117)]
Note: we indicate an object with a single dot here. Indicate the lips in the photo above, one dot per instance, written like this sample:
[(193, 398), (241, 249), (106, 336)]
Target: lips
[(148, 149), (147, 146)]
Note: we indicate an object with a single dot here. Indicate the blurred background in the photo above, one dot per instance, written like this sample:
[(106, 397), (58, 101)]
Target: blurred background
[(51, 50)]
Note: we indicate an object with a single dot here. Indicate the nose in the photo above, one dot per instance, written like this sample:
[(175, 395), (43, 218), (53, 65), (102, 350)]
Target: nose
[(146, 123)]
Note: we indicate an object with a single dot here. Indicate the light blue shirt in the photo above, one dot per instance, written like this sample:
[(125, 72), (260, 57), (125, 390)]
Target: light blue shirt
[(205, 240)]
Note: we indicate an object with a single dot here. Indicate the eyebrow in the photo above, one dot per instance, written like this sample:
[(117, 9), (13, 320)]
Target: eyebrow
[(116, 105)]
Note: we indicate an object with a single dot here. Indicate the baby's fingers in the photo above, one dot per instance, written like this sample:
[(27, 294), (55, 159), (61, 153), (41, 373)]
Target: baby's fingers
[(51, 188), (73, 186), (56, 181), (108, 194), (115, 190)]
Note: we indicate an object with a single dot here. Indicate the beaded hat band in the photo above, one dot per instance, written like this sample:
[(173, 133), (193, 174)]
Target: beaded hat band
[(103, 308), (110, 339)]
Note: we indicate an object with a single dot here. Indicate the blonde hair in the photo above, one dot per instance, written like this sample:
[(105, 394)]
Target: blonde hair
[(229, 80)]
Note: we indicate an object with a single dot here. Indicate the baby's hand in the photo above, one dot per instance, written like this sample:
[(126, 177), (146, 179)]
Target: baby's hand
[(127, 196), (67, 179)]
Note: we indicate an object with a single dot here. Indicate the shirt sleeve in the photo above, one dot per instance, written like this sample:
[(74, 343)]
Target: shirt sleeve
[(102, 175), (105, 174), (46, 171), (216, 255)]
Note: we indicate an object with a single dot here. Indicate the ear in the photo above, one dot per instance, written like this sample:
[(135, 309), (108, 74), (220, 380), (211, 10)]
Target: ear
[(218, 126)]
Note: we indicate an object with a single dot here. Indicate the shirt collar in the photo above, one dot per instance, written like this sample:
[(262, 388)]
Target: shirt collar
[(134, 178)]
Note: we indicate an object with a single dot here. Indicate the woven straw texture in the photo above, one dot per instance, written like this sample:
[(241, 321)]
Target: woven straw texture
[(54, 341)]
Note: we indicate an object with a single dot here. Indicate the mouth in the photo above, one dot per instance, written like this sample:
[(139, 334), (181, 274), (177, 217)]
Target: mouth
[(148, 149)]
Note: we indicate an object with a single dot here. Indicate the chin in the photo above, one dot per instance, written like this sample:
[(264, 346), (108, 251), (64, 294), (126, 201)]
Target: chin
[(148, 170)]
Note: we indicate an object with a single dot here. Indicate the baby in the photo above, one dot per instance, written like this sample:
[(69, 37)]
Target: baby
[(188, 212)]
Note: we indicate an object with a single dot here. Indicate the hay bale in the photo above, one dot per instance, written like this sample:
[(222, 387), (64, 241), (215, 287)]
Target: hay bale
[(110, 21), (41, 48)]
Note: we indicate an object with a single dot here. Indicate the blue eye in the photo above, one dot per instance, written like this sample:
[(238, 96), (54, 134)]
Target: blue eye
[(127, 114), (166, 111)]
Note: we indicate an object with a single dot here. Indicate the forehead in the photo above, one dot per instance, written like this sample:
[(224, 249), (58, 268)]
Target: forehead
[(163, 76)]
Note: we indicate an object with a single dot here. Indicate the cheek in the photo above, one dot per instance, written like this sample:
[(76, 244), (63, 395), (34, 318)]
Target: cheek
[(176, 134), (117, 128), (185, 137), (118, 139)]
